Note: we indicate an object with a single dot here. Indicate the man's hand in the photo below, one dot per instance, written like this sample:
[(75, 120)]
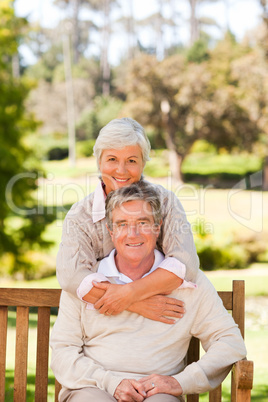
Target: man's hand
[(130, 391), (158, 308), (116, 299), (160, 384)]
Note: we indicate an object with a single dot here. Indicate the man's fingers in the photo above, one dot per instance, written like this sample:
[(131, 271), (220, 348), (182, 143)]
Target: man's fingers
[(138, 387)]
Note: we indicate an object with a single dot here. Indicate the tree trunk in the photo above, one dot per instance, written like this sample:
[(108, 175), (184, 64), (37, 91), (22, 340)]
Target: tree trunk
[(132, 40), (76, 34), (194, 34), (105, 66), (160, 49), (175, 158), (16, 66)]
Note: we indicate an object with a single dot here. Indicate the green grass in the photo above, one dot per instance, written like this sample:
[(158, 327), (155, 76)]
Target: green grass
[(60, 169), (256, 279), (205, 164)]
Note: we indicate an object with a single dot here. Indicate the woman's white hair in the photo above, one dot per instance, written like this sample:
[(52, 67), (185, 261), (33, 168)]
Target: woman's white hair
[(120, 133)]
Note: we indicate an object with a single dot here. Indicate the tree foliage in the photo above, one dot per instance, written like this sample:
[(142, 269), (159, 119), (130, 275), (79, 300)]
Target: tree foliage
[(18, 170), (192, 101)]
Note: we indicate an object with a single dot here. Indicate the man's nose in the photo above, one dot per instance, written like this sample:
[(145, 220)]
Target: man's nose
[(133, 231)]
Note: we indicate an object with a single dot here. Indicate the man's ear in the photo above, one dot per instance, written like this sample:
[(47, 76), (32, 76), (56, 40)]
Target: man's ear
[(110, 231), (159, 227)]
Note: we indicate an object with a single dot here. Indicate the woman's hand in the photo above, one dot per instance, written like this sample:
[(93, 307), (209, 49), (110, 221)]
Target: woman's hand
[(160, 384), (158, 308), (116, 299)]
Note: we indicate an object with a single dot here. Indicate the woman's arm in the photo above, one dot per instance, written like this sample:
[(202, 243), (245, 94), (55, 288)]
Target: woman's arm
[(156, 308), (176, 238), (118, 298)]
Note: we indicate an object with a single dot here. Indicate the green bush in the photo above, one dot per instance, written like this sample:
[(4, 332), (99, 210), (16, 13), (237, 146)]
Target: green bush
[(104, 110), (57, 153), (84, 148), (238, 252)]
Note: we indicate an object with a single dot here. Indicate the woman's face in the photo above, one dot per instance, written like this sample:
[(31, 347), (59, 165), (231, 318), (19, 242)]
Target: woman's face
[(121, 167)]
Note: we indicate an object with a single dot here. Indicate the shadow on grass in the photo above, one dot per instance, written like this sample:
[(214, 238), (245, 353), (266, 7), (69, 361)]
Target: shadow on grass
[(30, 394), (260, 393)]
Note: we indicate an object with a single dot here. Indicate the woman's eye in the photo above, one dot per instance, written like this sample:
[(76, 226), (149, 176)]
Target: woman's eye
[(132, 161), (111, 159)]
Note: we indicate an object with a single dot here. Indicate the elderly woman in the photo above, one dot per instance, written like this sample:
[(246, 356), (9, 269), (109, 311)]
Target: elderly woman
[(122, 149)]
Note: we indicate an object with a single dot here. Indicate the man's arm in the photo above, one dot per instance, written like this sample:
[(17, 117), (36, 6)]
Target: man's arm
[(220, 338), (71, 367)]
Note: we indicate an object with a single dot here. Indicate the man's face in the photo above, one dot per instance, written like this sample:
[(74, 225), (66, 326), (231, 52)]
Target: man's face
[(134, 232)]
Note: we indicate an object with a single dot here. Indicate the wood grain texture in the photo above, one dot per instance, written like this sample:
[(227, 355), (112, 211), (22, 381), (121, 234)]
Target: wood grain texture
[(3, 343)]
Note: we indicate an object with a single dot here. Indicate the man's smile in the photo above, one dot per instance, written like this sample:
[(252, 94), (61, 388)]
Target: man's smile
[(134, 244)]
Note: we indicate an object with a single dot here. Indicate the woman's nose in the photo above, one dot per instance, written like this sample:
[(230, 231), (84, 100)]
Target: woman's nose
[(121, 168)]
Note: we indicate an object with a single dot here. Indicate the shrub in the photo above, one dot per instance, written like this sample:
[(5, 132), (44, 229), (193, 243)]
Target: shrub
[(85, 148), (57, 153), (238, 252)]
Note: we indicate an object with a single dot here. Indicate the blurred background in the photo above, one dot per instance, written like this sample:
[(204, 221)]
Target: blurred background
[(195, 74)]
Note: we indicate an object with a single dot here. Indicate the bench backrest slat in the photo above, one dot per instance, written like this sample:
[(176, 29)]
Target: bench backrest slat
[(20, 376), (3, 343), (41, 378)]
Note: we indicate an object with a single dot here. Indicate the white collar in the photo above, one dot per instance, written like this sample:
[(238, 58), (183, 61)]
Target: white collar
[(98, 207), (108, 268)]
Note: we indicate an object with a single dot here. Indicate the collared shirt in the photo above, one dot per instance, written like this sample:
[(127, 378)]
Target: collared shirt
[(98, 207), (86, 240), (108, 271)]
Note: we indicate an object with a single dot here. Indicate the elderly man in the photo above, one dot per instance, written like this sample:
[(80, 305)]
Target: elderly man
[(129, 358)]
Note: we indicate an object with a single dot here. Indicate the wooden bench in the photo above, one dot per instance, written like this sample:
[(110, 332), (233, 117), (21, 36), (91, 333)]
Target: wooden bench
[(44, 299)]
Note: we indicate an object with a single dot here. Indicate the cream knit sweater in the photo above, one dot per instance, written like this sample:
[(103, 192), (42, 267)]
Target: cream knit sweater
[(94, 350)]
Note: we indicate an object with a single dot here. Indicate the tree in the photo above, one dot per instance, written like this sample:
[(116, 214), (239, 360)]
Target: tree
[(75, 27), (195, 21), (18, 170), (191, 101)]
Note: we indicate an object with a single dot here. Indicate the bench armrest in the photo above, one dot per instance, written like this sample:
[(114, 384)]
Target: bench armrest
[(242, 381)]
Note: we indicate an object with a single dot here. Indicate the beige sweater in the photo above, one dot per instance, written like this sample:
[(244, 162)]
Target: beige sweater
[(86, 241), (94, 350)]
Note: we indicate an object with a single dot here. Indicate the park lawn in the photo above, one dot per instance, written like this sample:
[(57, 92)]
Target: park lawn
[(256, 280), (204, 164)]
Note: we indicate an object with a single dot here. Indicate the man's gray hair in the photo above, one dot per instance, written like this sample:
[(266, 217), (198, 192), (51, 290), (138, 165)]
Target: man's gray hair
[(120, 133), (140, 191)]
